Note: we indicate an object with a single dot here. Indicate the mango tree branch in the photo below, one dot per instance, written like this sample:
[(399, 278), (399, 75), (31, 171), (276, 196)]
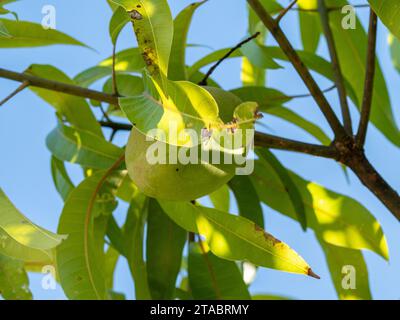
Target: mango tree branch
[(369, 81), (59, 86), (339, 81), (261, 139), (301, 69)]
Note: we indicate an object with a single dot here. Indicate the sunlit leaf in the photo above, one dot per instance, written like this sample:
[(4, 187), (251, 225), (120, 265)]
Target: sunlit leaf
[(153, 24), (236, 238), (338, 219), (22, 239)]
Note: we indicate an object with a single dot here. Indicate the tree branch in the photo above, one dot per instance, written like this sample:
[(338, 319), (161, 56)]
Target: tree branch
[(59, 86), (203, 82), (339, 81), (301, 69), (369, 81), (114, 74), (15, 92), (285, 11)]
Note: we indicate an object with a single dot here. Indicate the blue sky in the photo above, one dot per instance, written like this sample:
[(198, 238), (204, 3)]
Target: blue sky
[(26, 120)]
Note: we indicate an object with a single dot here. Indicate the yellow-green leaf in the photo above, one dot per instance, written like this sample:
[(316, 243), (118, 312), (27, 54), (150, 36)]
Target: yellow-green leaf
[(236, 238)]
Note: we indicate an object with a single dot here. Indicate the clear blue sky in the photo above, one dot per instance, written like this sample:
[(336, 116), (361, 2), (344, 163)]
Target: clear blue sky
[(26, 120)]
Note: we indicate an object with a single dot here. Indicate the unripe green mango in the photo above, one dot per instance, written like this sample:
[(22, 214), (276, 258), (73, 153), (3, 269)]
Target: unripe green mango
[(180, 182), (174, 182)]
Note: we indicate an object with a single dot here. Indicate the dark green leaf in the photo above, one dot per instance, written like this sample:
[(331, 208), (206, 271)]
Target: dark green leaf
[(164, 245)]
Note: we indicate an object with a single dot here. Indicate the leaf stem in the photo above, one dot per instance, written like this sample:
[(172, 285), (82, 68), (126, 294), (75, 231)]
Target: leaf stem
[(339, 81), (369, 81)]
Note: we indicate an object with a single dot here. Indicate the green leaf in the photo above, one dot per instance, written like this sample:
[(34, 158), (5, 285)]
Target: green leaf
[(290, 187), (338, 259), (74, 109), (22, 239), (310, 25), (339, 220), (81, 147), (351, 45), (116, 236), (389, 12), (29, 34), (3, 31), (221, 198), (164, 246), (134, 239), (119, 20), (111, 260), (81, 258), (247, 199), (236, 238), (177, 65), (154, 32), (14, 282), (212, 278), (395, 51), (61, 180)]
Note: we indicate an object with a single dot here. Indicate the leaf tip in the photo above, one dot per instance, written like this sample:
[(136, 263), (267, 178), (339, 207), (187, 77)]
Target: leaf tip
[(312, 274)]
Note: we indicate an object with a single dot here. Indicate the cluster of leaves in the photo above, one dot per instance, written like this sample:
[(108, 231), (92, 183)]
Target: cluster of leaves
[(152, 239)]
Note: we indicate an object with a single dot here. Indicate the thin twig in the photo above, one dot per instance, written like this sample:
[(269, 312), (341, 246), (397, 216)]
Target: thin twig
[(305, 95), (114, 75), (369, 81), (203, 82), (15, 92), (336, 67), (104, 113), (301, 69), (285, 11), (59, 86)]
